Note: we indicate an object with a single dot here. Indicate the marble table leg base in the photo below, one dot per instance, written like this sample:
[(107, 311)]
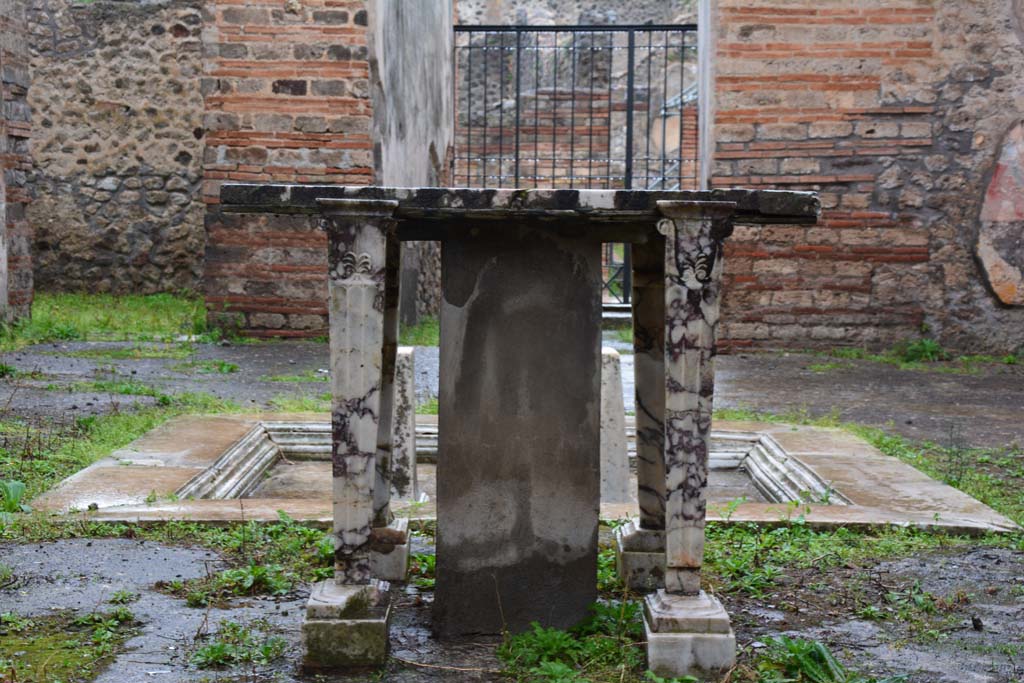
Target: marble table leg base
[(346, 626), (640, 557), (687, 635), (389, 551)]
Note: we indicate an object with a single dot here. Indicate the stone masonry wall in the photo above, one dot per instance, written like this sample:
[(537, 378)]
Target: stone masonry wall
[(540, 12), (15, 127), (118, 145), (896, 111)]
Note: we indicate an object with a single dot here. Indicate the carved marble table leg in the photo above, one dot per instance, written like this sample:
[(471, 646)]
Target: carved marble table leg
[(403, 458), (347, 619), (389, 555), (640, 544), (688, 631)]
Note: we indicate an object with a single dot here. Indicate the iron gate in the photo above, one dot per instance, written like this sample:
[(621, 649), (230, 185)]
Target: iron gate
[(586, 107)]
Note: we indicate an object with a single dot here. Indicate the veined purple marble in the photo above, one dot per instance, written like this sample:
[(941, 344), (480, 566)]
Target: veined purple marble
[(385, 433), (649, 371), (358, 234), (693, 279)]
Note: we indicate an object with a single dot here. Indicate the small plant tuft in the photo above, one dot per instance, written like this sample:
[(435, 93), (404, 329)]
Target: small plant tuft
[(421, 569), (237, 643), (11, 494), (790, 660)]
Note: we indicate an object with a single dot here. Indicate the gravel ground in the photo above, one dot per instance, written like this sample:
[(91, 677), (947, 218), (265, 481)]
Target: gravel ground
[(983, 408)]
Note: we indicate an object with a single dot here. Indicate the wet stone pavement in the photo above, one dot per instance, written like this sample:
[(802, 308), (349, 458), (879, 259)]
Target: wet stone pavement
[(984, 409), (48, 582), (810, 605)]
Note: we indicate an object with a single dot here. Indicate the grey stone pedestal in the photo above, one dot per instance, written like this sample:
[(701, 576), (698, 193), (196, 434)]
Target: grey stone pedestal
[(346, 626), (640, 557), (389, 554), (690, 634), (614, 451), (518, 483)]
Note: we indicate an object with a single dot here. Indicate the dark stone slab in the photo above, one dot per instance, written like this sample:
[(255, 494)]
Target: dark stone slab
[(518, 482), (427, 204)]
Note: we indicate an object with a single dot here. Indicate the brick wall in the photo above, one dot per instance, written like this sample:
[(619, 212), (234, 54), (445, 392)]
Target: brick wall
[(287, 99), (348, 92), (893, 111), (16, 162)]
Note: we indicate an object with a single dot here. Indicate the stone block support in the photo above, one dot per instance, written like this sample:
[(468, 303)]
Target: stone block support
[(614, 453), (346, 626), (518, 481)]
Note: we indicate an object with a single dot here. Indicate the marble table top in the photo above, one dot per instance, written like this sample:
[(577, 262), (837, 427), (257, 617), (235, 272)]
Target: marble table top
[(437, 213)]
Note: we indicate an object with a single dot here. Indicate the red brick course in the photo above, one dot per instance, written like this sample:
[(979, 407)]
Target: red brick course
[(288, 100), (801, 106)]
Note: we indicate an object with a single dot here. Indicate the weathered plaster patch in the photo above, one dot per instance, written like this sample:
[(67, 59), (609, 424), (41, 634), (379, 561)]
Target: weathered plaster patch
[(1000, 246)]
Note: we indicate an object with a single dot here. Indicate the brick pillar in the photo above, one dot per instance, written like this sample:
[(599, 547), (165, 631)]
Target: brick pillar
[(287, 100)]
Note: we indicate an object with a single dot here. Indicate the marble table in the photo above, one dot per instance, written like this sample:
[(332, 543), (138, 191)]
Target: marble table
[(518, 481)]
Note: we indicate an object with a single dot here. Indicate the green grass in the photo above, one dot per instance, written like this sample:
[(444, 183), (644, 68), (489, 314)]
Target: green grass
[(240, 644), (624, 335), (426, 333), (430, 407), (606, 646), (11, 372), (828, 367), (41, 458), (302, 404), (422, 569), (750, 559), (321, 403), (61, 647), (789, 660), (106, 317), (269, 555), (173, 351), (915, 354), (127, 387), (207, 367), (247, 580)]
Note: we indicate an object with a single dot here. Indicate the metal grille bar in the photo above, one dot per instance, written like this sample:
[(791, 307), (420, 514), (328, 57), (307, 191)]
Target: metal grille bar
[(584, 107)]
